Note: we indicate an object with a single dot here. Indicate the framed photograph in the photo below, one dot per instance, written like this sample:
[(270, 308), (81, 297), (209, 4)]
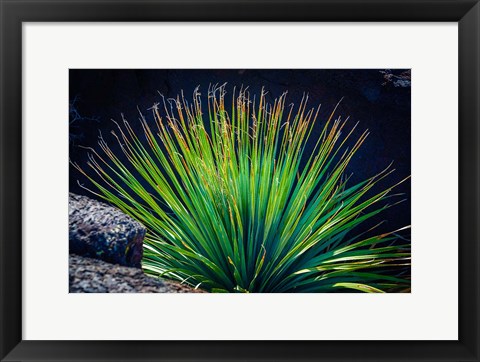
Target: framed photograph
[(239, 180)]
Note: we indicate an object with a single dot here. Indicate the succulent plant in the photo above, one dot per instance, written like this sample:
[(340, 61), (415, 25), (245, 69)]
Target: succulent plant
[(233, 201)]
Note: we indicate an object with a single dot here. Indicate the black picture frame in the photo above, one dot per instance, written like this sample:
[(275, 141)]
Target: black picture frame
[(15, 12)]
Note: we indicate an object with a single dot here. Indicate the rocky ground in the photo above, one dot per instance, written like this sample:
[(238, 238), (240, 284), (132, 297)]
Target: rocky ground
[(89, 275), (106, 248)]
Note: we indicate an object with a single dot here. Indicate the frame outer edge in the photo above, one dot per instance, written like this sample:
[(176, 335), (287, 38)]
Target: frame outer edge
[(11, 176), (242, 10), (469, 178), (11, 180)]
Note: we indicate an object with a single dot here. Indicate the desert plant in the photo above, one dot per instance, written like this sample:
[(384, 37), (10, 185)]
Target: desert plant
[(233, 204)]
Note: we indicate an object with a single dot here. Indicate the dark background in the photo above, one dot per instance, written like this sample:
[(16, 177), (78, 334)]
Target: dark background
[(377, 98)]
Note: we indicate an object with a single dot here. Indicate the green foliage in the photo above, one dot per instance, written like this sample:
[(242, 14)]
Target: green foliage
[(232, 202)]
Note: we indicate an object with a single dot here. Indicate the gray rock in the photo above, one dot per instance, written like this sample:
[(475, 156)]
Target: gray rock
[(104, 232), (402, 80), (95, 276)]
